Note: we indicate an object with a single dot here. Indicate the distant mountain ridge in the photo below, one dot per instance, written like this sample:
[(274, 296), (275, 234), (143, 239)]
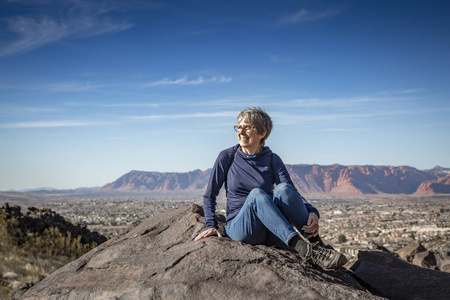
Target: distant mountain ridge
[(140, 181), (440, 186), (309, 179)]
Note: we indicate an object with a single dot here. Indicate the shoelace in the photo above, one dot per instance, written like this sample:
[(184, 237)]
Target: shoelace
[(322, 253)]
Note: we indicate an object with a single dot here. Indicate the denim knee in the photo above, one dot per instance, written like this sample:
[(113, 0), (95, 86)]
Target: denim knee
[(257, 193), (258, 196), (282, 189)]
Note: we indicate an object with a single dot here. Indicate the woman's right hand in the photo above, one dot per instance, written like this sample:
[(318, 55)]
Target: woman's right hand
[(208, 232)]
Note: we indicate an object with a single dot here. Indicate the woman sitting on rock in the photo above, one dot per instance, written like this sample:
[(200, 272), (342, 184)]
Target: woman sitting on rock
[(258, 213)]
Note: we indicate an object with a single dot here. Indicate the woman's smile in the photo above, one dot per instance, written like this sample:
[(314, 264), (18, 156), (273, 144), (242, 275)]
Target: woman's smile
[(249, 140)]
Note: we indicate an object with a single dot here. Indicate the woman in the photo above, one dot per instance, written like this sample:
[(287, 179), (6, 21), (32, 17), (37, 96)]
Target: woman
[(258, 213)]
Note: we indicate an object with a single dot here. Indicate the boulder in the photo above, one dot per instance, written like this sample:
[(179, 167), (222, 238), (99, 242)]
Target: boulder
[(159, 259), (35, 221), (387, 276), (425, 259), (443, 261), (407, 253), (416, 254)]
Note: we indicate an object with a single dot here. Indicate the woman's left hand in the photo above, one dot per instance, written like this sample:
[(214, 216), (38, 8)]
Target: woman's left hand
[(312, 225)]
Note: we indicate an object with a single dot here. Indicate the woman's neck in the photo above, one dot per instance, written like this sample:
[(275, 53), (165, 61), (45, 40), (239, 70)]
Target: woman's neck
[(251, 150)]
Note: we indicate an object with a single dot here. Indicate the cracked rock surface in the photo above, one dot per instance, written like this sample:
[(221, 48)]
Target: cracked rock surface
[(159, 259)]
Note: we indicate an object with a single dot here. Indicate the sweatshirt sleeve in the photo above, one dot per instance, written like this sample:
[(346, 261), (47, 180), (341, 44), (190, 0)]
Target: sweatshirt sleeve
[(282, 175), (216, 180)]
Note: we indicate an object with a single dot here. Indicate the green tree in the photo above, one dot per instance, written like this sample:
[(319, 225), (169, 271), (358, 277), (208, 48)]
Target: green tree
[(342, 238)]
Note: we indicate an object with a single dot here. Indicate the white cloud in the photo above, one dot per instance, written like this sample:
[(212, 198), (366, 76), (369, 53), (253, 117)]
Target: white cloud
[(50, 124), (73, 19), (289, 118), (278, 59), (112, 104), (303, 15), (186, 116), (73, 86), (344, 102), (184, 81), (341, 129), (81, 86), (14, 109), (413, 91)]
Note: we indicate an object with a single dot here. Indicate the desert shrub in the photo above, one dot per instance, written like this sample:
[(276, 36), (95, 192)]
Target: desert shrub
[(52, 243), (29, 258)]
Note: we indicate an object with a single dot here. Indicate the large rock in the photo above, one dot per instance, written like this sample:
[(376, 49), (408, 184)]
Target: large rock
[(407, 253), (160, 260), (385, 275)]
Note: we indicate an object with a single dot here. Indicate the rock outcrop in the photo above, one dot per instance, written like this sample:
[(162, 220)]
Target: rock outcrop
[(418, 255), (159, 259), (309, 179), (385, 275), (407, 253), (37, 220), (438, 186)]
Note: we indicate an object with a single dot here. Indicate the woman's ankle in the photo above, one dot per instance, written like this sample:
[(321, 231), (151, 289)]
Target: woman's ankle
[(300, 245)]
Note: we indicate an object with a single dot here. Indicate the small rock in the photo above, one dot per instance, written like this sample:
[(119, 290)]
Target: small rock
[(425, 259)]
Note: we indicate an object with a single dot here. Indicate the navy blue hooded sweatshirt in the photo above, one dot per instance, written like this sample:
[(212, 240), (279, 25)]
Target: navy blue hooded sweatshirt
[(242, 173)]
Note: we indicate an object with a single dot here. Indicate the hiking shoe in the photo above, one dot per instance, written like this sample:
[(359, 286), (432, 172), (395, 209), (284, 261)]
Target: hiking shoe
[(317, 239), (326, 258)]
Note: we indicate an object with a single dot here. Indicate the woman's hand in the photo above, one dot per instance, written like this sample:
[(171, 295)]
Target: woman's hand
[(208, 232), (312, 225)]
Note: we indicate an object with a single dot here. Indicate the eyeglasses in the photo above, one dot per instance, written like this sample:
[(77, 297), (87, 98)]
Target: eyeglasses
[(246, 128)]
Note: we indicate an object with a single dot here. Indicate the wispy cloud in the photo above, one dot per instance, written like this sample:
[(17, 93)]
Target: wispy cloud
[(119, 105), (68, 86), (402, 92), (73, 86), (196, 33), (278, 59), (14, 109), (82, 86), (342, 129), (342, 102), (289, 118), (185, 116), (413, 91), (185, 81), (305, 15), (50, 124), (72, 19)]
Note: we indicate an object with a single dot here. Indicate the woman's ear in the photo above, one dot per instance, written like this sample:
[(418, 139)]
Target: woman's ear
[(262, 135)]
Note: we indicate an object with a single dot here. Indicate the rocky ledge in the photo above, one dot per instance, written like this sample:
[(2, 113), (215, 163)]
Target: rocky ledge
[(159, 259)]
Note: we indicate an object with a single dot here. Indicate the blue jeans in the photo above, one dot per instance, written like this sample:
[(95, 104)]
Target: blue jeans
[(263, 220)]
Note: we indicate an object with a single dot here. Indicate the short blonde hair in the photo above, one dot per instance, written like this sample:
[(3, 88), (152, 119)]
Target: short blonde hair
[(258, 118)]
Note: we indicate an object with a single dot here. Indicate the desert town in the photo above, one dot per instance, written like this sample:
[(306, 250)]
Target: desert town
[(350, 224)]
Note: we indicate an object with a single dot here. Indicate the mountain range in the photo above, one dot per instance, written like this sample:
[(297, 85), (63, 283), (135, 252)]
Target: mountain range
[(309, 179)]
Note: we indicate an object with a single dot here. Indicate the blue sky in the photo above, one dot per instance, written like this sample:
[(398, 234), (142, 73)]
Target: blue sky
[(90, 90)]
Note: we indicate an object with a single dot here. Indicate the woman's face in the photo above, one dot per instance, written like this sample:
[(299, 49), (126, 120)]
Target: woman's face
[(250, 139)]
